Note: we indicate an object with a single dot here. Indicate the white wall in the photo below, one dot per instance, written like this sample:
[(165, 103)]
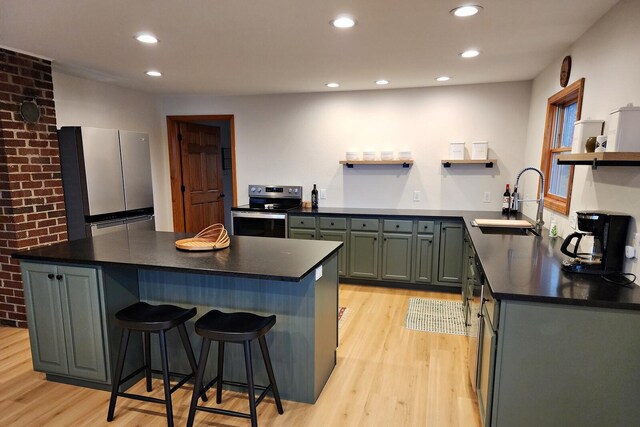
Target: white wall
[(607, 56), (82, 102), (299, 139)]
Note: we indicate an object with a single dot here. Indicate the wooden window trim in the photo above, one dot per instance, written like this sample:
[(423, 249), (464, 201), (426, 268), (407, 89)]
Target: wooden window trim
[(571, 93)]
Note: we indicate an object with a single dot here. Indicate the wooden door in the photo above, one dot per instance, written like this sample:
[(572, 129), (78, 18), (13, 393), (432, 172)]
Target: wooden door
[(201, 176)]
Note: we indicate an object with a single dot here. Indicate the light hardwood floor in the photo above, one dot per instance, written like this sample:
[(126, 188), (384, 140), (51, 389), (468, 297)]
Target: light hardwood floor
[(386, 375)]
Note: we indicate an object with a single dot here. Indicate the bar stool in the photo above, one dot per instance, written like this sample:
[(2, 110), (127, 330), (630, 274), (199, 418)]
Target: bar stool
[(239, 328), (148, 319)]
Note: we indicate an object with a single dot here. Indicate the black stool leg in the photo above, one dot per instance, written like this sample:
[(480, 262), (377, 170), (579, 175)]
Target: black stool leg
[(115, 386), (187, 348), (272, 378), (147, 358), (204, 353), (220, 371), (165, 377), (251, 391)]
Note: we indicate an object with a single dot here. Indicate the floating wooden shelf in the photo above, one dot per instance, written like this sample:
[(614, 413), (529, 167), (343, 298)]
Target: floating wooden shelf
[(351, 163), (488, 163), (600, 159)]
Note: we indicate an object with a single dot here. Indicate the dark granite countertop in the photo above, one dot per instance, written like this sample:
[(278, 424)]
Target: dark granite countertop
[(254, 257), (525, 268)]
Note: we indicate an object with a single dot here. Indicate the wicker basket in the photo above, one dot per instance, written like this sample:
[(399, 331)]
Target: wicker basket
[(212, 238)]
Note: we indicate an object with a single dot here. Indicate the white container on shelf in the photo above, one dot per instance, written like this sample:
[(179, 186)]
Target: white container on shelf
[(582, 130), (386, 155), (624, 129), (479, 150), (368, 155), (456, 151), (352, 155), (404, 155)]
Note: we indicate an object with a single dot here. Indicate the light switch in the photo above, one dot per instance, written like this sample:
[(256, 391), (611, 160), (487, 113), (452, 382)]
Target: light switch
[(323, 193), (416, 196)]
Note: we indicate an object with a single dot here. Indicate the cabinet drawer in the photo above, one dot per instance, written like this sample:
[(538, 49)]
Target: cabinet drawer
[(400, 226), (302, 222), (364, 224), (426, 226), (333, 223)]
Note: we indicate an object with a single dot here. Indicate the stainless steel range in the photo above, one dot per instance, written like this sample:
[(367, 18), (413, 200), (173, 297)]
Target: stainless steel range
[(266, 213)]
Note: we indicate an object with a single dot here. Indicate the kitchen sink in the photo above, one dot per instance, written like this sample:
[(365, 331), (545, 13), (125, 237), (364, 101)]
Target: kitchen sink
[(509, 231)]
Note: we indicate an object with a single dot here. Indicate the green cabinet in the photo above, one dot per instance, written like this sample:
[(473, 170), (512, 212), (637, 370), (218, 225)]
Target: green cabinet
[(337, 236), (302, 234), (424, 258), (67, 326), (396, 256), (397, 249), (363, 254), (450, 252)]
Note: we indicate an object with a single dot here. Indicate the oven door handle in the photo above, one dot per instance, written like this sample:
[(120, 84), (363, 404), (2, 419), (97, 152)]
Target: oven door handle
[(265, 215)]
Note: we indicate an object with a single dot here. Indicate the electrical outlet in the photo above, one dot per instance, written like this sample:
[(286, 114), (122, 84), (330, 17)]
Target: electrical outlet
[(323, 193), (416, 196), (487, 197)]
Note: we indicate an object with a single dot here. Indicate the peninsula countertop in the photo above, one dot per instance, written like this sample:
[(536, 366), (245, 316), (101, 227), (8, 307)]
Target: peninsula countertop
[(517, 267), (253, 257)]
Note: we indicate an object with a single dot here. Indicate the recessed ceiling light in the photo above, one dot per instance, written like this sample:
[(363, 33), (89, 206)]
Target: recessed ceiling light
[(333, 84), (464, 11), (343, 21), (443, 78), (153, 73), (146, 38), (471, 53), (382, 82)]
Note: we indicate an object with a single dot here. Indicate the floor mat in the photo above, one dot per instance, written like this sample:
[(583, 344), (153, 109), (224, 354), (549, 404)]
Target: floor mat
[(432, 315)]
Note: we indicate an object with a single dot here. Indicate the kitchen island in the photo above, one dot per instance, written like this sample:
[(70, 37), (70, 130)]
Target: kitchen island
[(73, 289)]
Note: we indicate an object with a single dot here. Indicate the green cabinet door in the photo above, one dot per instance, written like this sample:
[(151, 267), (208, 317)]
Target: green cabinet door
[(424, 259), (450, 255), (396, 256), (84, 327), (363, 254), (66, 321), (295, 233), (44, 316), (337, 236)]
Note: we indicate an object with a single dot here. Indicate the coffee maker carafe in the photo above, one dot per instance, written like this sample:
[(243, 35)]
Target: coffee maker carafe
[(609, 233)]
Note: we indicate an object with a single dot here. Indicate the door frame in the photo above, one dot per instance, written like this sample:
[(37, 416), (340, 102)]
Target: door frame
[(175, 166)]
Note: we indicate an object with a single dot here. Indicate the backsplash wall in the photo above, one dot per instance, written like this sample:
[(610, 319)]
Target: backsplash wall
[(299, 139), (606, 56)]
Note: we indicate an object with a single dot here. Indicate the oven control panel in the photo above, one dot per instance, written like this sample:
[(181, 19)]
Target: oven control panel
[(276, 191)]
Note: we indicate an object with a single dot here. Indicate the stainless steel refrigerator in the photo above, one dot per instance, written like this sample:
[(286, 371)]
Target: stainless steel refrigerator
[(106, 177)]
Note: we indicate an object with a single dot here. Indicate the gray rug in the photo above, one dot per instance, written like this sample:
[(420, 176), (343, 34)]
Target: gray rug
[(432, 315)]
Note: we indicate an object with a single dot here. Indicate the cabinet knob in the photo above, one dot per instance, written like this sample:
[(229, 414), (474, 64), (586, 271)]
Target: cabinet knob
[(59, 277), (385, 239), (364, 225), (397, 225), (321, 236), (375, 238), (332, 223), (50, 276), (479, 315), (301, 222)]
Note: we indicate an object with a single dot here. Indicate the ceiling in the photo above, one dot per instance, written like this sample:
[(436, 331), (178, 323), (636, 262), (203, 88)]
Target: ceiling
[(235, 47)]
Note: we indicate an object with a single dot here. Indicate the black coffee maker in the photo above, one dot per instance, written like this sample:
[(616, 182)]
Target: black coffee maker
[(609, 232)]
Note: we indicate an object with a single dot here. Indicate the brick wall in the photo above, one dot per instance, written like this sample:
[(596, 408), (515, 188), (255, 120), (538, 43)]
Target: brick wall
[(31, 199)]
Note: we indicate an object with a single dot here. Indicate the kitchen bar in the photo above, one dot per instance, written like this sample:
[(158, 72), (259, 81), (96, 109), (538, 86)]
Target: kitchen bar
[(297, 281)]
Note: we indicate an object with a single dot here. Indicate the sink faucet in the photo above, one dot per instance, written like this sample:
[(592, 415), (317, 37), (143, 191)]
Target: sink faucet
[(516, 200)]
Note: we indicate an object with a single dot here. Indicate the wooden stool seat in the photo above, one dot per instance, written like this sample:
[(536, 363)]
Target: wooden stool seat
[(148, 319), (235, 328)]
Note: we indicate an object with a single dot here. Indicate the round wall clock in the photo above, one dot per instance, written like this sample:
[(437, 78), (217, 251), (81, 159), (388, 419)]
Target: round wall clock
[(30, 111), (565, 71)]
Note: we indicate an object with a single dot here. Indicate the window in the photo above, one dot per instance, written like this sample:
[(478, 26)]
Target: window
[(563, 110)]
